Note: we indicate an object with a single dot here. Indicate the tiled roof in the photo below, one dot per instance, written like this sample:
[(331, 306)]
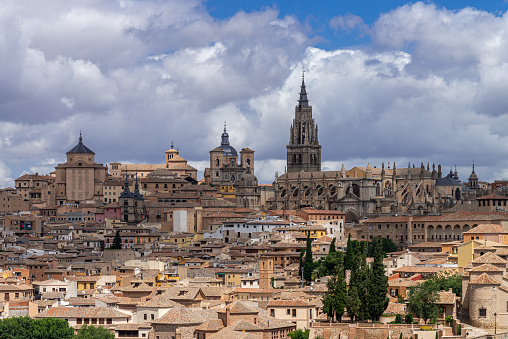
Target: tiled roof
[(446, 297), (289, 303), (82, 312), (160, 301), (486, 268), (489, 258), (486, 228), (484, 279), (238, 307), (229, 333), (184, 315), (395, 308), (212, 325)]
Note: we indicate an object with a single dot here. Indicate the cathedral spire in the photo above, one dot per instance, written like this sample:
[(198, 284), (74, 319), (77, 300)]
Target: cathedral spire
[(303, 101)]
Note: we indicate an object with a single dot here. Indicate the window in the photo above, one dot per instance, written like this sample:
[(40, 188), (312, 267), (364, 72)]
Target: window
[(288, 311), (153, 316), (482, 312), (145, 316), (272, 312), (294, 313)]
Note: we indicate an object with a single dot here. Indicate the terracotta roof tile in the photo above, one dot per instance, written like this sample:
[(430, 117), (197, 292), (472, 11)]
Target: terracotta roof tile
[(486, 268), (489, 258), (81, 312), (484, 279), (486, 229), (290, 303)]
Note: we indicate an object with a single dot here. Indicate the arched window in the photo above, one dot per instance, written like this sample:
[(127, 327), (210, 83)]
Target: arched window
[(217, 163), (300, 158)]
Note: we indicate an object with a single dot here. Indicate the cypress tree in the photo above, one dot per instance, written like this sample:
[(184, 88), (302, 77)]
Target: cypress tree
[(340, 294), (350, 254), (308, 265), (363, 273), (117, 241), (378, 301), (332, 246)]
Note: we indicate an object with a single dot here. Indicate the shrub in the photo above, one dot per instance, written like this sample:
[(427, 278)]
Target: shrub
[(398, 319), (448, 319), (409, 318), (459, 329)]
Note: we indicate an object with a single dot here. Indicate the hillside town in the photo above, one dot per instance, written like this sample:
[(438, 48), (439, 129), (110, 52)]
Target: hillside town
[(155, 251)]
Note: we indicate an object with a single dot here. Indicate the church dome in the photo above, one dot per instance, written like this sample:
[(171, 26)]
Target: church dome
[(225, 146)]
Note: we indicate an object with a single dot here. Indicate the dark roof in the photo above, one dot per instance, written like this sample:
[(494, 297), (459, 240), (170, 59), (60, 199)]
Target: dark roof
[(303, 101), (80, 147), (449, 180), (225, 146)]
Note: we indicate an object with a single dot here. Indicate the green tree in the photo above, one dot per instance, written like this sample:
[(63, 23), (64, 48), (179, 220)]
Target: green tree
[(423, 298), (363, 282), (350, 253), (300, 266), (117, 241), (92, 332), (319, 271), (16, 328), (308, 266), (355, 308), (378, 283), (448, 280), (299, 334), (51, 328), (334, 300), (332, 247)]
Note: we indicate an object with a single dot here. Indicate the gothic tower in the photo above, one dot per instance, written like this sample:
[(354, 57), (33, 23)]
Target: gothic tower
[(303, 150)]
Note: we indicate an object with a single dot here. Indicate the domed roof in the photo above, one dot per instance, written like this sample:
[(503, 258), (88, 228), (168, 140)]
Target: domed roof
[(225, 146)]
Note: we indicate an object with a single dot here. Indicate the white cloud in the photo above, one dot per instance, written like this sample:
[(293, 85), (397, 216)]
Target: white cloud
[(134, 76)]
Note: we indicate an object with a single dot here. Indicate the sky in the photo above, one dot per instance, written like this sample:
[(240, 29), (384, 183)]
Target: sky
[(389, 81)]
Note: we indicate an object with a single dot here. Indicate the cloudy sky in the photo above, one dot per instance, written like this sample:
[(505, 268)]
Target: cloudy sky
[(388, 81)]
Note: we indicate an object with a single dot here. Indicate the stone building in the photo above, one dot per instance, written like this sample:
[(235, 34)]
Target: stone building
[(485, 292), (173, 162), (226, 173), (405, 231), (132, 204), (361, 191), (303, 150), (80, 179)]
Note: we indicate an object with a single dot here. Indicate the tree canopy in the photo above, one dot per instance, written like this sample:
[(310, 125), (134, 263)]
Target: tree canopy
[(92, 332), (28, 328)]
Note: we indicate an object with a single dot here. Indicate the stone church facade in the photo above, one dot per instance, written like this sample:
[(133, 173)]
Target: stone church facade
[(225, 171), (80, 180), (360, 191)]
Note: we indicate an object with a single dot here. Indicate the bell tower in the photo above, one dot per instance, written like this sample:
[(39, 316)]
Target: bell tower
[(303, 150)]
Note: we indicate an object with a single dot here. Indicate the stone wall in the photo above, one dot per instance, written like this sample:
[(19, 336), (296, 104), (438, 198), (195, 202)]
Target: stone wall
[(363, 330)]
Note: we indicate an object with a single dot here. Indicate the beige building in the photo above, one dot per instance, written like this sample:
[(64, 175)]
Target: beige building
[(411, 230), (80, 180), (173, 162), (12, 202), (298, 312), (485, 291)]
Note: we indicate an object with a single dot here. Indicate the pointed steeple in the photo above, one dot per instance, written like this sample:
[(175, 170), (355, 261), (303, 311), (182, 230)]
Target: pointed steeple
[(136, 194), (303, 101)]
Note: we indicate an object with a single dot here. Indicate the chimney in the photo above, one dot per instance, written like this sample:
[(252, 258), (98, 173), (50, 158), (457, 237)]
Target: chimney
[(228, 316)]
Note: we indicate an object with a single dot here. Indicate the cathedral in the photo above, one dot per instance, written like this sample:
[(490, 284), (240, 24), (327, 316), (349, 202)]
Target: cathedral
[(231, 176), (361, 191)]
